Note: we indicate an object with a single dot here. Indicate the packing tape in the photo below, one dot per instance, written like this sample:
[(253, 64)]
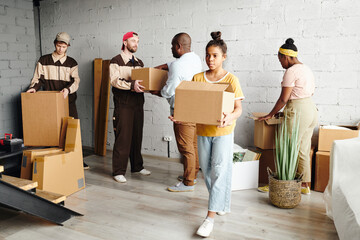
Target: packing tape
[(69, 145), (72, 125), (24, 161), (80, 182), (35, 167)]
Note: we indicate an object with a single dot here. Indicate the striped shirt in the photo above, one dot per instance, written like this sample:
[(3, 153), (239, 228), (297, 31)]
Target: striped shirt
[(54, 74), (120, 71)]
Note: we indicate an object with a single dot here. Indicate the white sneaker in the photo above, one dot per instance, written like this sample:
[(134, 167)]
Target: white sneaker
[(120, 178), (145, 172), (221, 213), (205, 229)]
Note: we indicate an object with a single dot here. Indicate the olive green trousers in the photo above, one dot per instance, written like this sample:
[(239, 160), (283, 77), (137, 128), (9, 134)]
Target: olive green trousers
[(305, 110)]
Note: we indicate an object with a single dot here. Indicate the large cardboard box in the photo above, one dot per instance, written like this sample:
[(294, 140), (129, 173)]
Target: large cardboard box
[(62, 172), (152, 79), (200, 102), (327, 136), (264, 131), (42, 114), (29, 157), (322, 168), (245, 175)]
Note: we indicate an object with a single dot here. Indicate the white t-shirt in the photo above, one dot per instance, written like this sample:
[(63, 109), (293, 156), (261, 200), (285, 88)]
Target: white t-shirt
[(182, 69)]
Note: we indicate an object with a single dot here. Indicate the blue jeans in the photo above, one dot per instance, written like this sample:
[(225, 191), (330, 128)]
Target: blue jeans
[(215, 158)]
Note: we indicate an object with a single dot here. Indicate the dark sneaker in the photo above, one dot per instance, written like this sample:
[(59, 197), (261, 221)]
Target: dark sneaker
[(86, 166)]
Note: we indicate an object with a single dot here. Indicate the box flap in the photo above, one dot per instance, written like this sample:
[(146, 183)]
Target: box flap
[(256, 115), (323, 153), (203, 86), (270, 121)]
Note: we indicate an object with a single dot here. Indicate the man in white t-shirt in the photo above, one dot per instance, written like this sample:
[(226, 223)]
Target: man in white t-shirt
[(186, 65)]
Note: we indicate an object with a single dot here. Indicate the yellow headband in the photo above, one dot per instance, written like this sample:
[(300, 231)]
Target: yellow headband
[(288, 52)]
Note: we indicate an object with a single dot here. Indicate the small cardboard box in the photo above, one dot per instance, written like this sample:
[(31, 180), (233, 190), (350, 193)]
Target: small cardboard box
[(322, 168), (204, 103), (62, 172), (42, 114), (327, 136), (152, 79), (29, 157), (264, 131), (245, 175)]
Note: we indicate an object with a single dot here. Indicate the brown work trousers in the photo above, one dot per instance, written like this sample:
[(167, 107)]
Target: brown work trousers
[(186, 139), (128, 120)]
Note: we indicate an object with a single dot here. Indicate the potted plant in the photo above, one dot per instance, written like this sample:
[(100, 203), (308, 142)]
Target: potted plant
[(284, 183)]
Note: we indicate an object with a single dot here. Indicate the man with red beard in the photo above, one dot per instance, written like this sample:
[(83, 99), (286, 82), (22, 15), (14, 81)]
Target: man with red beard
[(128, 118)]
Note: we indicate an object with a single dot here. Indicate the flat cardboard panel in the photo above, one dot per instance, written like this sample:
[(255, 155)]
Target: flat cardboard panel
[(264, 131), (73, 137), (63, 131), (152, 79), (328, 136), (203, 103), (42, 114), (322, 168), (29, 157), (245, 175), (63, 172)]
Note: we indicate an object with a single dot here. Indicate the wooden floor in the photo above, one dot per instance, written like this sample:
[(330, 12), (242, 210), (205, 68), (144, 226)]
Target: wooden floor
[(143, 209)]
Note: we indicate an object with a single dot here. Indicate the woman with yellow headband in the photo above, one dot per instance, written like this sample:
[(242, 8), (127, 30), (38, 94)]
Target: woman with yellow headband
[(298, 86)]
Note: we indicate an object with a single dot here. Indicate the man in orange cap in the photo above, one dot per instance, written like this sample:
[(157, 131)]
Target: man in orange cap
[(128, 118)]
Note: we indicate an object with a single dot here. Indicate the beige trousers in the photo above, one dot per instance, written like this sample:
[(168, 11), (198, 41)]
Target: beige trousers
[(307, 113)]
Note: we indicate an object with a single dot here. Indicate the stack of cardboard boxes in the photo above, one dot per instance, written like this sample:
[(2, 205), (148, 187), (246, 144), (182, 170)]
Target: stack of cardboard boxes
[(46, 123), (327, 135)]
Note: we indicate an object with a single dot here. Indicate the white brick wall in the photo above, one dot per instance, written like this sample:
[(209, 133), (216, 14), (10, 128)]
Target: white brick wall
[(17, 60), (327, 34)]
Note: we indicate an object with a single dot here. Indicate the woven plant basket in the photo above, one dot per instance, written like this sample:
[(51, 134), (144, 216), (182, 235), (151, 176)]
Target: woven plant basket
[(284, 193)]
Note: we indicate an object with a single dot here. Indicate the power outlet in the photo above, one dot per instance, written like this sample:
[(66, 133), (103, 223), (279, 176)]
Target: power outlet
[(167, 138)]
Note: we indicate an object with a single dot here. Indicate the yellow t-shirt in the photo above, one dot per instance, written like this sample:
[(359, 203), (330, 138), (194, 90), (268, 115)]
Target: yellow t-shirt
[(211, 130)]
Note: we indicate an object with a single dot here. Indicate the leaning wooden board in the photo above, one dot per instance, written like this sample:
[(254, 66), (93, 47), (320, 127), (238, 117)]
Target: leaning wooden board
[(102, 120), (97, 91)]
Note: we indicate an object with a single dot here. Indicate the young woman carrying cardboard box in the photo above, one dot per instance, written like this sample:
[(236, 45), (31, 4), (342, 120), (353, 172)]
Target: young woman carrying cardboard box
[(215, 143)]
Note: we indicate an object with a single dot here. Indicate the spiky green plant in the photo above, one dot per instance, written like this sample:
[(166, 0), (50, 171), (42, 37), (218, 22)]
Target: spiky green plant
[(287, 150)]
